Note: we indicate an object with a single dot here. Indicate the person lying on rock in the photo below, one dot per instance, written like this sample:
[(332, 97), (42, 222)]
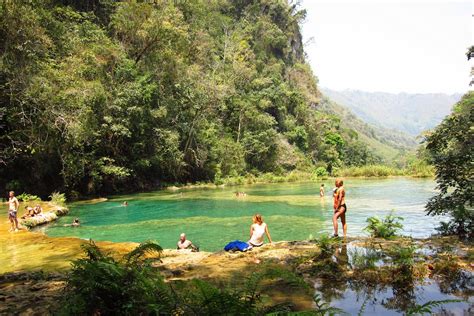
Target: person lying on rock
[(30, 212)]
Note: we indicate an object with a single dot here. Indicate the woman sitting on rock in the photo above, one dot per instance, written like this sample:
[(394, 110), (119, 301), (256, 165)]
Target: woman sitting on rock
[(257, 230)]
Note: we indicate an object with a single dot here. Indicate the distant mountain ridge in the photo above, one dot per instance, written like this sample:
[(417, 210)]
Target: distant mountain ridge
[(405, 112), (386, 143)]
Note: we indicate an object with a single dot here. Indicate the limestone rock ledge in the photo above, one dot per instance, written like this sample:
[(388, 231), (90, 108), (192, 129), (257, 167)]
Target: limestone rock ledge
[(44, 218)]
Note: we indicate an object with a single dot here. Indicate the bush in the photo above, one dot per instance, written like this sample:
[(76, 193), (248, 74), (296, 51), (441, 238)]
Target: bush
[(99, 284), (102, 285), (25, 197), (461, 224), (386, 228), (321, 172), (420, 168), (369, 171), (327, 246), (58, 198), (404, 260), (403, 257)]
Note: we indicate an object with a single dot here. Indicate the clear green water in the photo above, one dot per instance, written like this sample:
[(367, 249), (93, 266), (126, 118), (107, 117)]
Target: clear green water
[(213, 217)]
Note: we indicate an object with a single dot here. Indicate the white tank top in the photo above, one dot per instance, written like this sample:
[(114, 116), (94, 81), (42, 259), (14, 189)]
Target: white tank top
[(257, 234)]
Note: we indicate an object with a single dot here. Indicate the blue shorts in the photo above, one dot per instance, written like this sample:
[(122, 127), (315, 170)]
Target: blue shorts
[(11, 214)]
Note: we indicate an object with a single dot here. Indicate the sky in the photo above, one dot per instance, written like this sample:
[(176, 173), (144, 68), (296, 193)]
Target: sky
[(415, 46)]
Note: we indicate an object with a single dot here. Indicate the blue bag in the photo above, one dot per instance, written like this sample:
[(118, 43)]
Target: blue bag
[(237, 245)]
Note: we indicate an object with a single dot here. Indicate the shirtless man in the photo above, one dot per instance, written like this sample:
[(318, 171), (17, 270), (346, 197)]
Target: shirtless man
[(184, 243), (13, 206), (340, 207)]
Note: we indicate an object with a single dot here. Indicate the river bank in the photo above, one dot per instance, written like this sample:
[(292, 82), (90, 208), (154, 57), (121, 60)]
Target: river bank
[(392, 276), (370, 171), (326, 267)]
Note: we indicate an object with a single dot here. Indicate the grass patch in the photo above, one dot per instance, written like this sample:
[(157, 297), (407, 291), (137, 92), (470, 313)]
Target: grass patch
[(370, 171)]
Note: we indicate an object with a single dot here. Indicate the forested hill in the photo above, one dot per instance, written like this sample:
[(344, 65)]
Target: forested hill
[(99, 96), (390, 145), (408, 113)]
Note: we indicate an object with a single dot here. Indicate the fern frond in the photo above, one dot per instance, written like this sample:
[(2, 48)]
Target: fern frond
[(427, 307), (144, 248), (363, 306)]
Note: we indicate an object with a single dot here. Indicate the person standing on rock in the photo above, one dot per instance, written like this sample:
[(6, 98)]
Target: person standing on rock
[(13, 206), (340, 207)]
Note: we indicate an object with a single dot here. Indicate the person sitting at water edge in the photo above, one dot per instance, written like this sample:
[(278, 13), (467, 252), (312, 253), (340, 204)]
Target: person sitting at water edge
[(257, 230), (30, 212), (38, 209), (184, 243), (340, 207)]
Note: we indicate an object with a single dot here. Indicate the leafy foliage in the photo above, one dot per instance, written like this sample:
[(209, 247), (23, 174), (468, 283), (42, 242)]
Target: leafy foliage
[(427, 308), (403, 256), (324, 309), (105, 96), (386, 228), (321, 172), (58, 198), (99, 283), (326, 245), (450, 148), (25, 197)]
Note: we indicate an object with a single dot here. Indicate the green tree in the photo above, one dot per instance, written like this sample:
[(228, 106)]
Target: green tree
[(450, 147)]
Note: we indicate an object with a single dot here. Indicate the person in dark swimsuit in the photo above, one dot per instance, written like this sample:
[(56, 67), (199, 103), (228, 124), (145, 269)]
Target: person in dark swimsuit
[(340, 207)]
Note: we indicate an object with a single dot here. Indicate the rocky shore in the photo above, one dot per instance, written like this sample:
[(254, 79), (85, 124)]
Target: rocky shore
[(37, 292), (52, 214)]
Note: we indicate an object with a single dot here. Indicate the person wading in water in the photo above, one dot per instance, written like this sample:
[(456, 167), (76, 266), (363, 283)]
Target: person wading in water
[(340, 207)]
